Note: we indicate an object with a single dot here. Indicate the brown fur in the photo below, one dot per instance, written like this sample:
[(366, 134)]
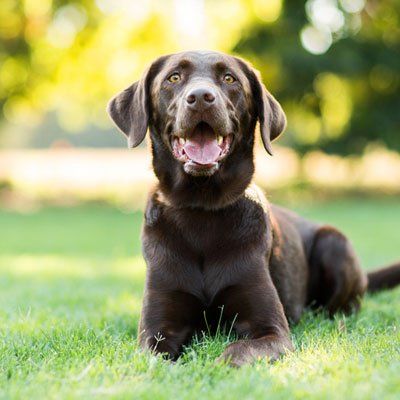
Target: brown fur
[(212, 243)]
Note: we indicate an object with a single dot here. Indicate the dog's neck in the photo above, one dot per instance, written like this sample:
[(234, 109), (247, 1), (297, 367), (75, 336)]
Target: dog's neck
[(220, 190)]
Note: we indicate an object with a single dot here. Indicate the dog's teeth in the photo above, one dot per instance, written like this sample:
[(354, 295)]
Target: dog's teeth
[(220, 139), (182, 141)]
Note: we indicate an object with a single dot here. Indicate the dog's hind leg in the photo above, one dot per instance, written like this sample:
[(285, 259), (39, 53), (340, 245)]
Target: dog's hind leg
[(337, 282)]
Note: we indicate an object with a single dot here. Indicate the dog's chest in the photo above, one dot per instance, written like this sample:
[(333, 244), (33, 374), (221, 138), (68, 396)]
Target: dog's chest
[(219, 232), (202, 252)]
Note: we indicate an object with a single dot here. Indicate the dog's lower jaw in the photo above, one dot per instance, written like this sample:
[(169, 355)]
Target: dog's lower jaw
[(194, 169), (211, 191)]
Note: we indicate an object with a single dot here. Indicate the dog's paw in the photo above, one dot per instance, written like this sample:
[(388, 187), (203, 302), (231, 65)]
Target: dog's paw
[(245, 352), (234, 356)]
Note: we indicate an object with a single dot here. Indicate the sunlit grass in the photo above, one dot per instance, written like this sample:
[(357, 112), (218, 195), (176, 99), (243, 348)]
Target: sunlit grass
[(71, 283)]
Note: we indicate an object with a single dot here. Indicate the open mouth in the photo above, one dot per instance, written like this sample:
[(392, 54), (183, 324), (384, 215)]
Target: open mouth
[(202, 152)]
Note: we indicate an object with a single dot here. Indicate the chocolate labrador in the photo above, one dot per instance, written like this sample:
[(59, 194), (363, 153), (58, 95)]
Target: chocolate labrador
[(216, 250)]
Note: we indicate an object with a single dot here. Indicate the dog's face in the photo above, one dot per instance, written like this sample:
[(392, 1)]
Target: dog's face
[(200, 106), (200, 99)]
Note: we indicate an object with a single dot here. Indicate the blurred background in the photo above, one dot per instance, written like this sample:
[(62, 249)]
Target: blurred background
[(71, 193), (333, 64)]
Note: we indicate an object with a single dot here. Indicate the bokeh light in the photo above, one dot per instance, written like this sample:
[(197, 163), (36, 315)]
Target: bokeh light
[(324, 59)]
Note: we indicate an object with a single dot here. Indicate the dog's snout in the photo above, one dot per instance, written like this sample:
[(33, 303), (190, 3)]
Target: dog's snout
[(190, 98), (209, 97), (200, 97)]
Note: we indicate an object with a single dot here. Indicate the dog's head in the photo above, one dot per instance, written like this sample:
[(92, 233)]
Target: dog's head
[(201, 108)]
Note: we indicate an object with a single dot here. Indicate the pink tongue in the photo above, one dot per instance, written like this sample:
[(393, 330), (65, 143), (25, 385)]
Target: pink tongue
[(202, 147)]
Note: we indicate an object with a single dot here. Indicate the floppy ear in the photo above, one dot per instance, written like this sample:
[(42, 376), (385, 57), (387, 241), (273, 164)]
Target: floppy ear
[(271, 116), (130, 109), (269, 112)]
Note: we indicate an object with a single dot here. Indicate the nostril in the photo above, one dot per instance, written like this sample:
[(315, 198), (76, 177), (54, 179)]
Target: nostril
[(191, 98), (209, 97)]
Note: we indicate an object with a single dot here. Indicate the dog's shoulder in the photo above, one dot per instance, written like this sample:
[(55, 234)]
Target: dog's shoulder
[(156, 204), (254, 194)]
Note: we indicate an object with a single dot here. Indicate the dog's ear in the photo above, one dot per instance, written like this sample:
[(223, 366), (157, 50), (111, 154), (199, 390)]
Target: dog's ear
[(272, 118), (269, 112), (130, 109)]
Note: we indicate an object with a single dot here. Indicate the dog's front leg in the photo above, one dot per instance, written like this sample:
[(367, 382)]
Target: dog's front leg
[(167, 321), (259, 318), (169, 309)]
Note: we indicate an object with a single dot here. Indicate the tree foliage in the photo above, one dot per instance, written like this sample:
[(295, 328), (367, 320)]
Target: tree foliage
[(344, 98), (334, 64)]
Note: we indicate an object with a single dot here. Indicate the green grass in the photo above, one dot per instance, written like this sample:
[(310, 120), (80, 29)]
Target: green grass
[(70, 295)]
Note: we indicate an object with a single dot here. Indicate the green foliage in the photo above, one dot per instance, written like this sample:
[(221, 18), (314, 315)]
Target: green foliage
[(344, 97), (334, 64), (70, 288)]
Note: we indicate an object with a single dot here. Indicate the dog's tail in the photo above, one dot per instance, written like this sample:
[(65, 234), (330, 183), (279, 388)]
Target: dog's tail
[(384, 278)]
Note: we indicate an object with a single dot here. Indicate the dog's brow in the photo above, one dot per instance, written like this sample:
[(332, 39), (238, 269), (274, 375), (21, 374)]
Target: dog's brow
[(220, 66), (185, 63)]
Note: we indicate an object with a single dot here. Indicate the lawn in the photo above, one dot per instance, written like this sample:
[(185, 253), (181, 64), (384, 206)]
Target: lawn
[(71, 283)]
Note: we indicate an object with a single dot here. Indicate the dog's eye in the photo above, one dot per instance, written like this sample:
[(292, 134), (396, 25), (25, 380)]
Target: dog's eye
[(228, 78), (174, 78)]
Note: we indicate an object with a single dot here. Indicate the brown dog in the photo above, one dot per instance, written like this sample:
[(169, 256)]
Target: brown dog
[(212, 243)]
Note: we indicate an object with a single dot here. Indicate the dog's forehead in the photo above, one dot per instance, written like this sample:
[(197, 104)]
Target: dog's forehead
[(202, 64), (201, 61)]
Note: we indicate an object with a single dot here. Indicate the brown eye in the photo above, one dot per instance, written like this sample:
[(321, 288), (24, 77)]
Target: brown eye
[(228, 78), (174, 78)]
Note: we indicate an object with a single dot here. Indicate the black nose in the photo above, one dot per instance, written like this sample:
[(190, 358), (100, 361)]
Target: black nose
[(200, 97)]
